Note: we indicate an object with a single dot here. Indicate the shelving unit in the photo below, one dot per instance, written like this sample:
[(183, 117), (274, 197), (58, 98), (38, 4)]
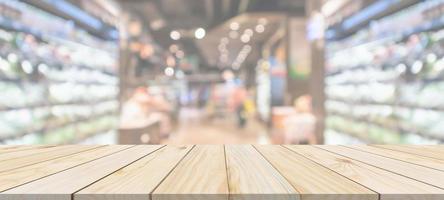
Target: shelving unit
[(58, 81), (386, 80)]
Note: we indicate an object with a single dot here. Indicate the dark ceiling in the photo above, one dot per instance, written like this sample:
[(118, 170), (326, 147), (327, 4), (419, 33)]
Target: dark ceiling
[(163, 16)]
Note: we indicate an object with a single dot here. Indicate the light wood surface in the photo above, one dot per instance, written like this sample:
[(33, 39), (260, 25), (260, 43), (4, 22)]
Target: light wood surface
[(20, 176), (138, 180), (250, 175), (423, 151), (311, 180), (13, 148), (420, 173), (406, 157), (153, 172), (19, 159), (74, 179), (387, 184), (201, 175)]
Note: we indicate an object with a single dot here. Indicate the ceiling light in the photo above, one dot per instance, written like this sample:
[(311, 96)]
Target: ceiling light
[(248, 32), (157, 24), (180, 54), (417, 66), (12, 58), (135, 28), (401, 68), (259, 28), (43, 68), (27, 67), (146, 51), (170, 61), (174, 48), (431, 58), (199, 33), (245, 38), (175, 35), (233, 34), (169, 71), (234, 26)]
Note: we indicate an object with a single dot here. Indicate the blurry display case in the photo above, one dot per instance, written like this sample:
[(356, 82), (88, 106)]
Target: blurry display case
[(385, 83), (57, 82)]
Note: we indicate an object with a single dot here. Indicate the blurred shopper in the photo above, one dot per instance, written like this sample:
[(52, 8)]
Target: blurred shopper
[(239, 99), (143, 105), (299, 128), (136, 107)]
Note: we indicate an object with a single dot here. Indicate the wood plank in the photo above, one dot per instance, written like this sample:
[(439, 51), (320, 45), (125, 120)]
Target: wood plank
[(17, 159), (311, 180), (13, 148), (200, 175), (406, 157), (137, 180), (62, 185), (250, 176), (28, 152), (436, 152), (424, 174), (17, 177), (390, 186)]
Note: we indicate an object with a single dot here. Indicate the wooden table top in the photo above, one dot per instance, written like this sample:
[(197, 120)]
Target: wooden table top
[(221, 172)]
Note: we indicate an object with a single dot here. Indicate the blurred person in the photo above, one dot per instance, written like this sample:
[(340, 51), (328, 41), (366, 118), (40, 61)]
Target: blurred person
[(161, 108), (238, 100), (143, 105), (299, 128), (136, 107)]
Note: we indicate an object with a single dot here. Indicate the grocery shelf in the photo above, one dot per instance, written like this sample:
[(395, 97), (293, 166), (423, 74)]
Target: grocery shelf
[(53, 77), (47, 127), (375, 11), (21, 80), (401, 128), (85, 136), (82, 102), (355, 135), (394, 104), (391, 75)]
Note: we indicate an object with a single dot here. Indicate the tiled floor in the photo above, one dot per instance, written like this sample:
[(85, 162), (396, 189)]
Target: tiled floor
[(196, 128)]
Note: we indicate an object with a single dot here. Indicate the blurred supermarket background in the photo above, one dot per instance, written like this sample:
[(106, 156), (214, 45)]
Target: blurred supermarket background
[(221, 71)]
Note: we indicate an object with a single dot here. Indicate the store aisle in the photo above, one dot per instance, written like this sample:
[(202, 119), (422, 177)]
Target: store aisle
[(195, 128)]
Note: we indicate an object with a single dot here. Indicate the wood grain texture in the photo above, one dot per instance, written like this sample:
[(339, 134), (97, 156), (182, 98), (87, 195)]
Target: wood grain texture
[(311, 180), (32, 156), (29, 152), (17, 177), (125, 172), (420, 173), (250, 176), (390, 186), (137, 180), (200, 175), (13, 148), (419, 150), (72, 180), (406, 157)]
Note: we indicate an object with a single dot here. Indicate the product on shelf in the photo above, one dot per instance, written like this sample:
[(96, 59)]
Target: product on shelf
[(58, 82), (385, 82)]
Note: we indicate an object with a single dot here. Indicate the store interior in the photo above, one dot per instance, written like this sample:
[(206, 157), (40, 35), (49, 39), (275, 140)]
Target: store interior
[(221, 72)]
